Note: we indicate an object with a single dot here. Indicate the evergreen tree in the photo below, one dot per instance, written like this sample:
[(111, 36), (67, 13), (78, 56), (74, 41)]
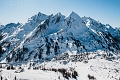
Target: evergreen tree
[(15, 78), (1, 78)]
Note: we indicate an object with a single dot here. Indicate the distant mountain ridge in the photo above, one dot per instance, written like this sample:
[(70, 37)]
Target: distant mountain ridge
[(46, 36)]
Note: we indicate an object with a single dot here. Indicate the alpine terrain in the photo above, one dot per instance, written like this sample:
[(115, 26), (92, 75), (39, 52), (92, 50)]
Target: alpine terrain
[(58, 47)]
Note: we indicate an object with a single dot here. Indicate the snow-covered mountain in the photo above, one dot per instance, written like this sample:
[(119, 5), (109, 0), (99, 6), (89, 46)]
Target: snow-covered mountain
[(66, 47), (45, 36)]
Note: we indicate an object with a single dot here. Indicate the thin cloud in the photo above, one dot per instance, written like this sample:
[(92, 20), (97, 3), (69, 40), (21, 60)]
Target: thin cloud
[(10, 4)]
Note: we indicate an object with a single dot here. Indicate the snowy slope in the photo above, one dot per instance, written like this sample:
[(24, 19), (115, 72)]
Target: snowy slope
[(98, 68), (13, 34)]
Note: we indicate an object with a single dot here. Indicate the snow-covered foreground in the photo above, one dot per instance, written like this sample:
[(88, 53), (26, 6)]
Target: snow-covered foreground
[(30, 75), (100, 69)]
